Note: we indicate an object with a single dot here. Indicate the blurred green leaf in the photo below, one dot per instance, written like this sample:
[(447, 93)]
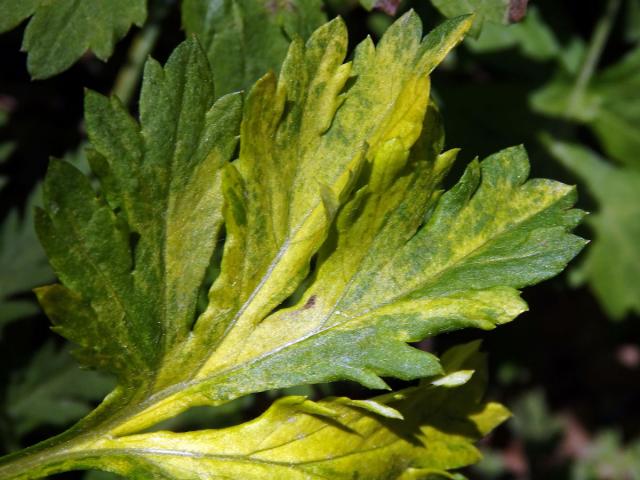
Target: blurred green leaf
[(495, 11), (607, 458), (632, 30), (532, 36), (23, 264), (610, 106), (244, 39), (52, 390), (612, 262), (532, 420), (61, 31)]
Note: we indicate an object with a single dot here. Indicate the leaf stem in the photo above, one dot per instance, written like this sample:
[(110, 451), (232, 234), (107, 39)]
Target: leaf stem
[(596, 47), (45, 458)]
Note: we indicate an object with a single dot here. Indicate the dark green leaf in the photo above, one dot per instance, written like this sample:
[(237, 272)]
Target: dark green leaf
[(244, 39), (61, 31)]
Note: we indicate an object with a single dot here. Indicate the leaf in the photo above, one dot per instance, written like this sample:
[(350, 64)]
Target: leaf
[(52, 390), (114, 292), (610, 106), (163, 178), (495, 11), (532, 36), (612, 263), (244, 39), (23, 264), (378, 283), (334, 438), (340, 246), (61, 31), (608, 454)]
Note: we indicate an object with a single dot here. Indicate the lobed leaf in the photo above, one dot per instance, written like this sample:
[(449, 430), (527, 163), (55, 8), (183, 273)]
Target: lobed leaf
[(61, 31), (335, 438), (339, 245)]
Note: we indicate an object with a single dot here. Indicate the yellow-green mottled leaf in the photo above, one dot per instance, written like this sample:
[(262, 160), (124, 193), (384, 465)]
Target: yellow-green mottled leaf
[(61, 31), (340, 246), (335, 438)]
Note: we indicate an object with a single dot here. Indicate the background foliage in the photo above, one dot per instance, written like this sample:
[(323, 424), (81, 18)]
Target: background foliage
[(564, 81)]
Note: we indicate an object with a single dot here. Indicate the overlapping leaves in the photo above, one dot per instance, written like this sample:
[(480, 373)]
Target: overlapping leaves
[(340, 246), (421, 432), (246, 38)]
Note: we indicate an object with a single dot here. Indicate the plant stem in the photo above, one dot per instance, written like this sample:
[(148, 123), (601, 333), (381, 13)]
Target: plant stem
[(596, 47), (45, 458)]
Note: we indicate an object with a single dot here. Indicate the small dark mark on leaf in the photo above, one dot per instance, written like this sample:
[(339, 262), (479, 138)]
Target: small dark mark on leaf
[(517, 10), (390, 7), (310, 303)]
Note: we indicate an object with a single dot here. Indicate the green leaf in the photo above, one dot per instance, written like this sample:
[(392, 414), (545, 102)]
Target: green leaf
[(532, 36), (612, 263), (486, 11), (23, 264), (340, 246), (61, 31), (334, 438), (607, 453), (244, 39), (610, 106), (52, 390), (136, 274)]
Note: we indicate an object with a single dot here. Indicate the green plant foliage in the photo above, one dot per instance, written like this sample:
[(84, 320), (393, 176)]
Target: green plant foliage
[(486, 11), (340, 247), (532, 36), (607, 457), (632, 30), (52, 382), (61, 31), (612, 263), (336, 438), (610, 106), (23, 264), (246, 38)]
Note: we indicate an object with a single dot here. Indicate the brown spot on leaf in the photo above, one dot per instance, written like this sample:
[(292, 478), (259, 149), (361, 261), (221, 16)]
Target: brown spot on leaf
[(390, 7), (310, 303), (517, 10)]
